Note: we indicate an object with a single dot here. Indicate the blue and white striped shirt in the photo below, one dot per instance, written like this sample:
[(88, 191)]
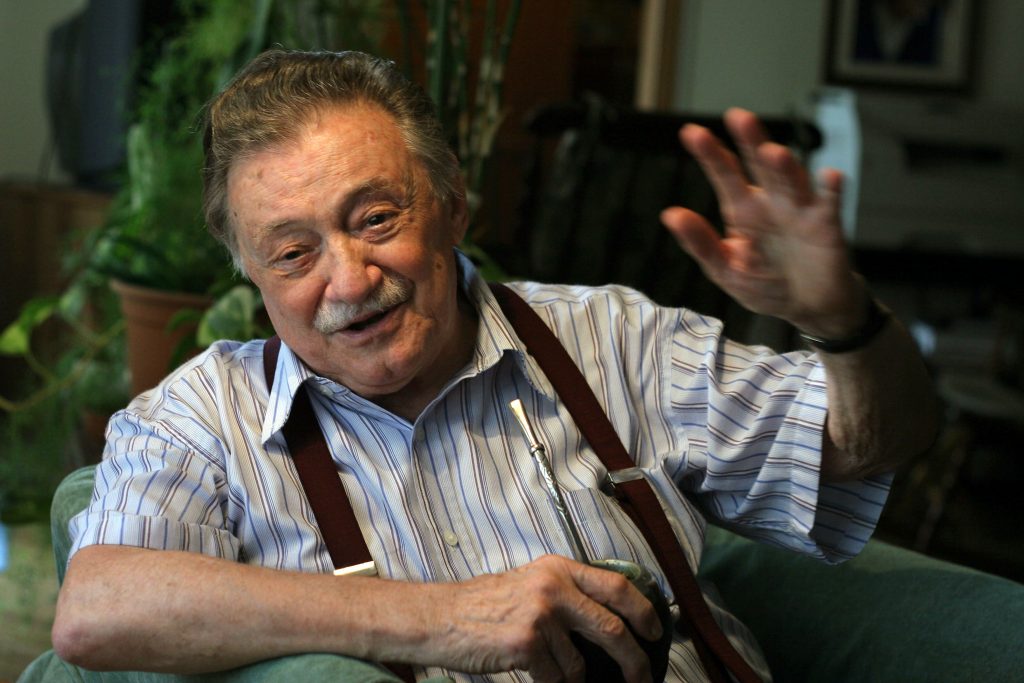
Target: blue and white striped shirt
[(723, 430)]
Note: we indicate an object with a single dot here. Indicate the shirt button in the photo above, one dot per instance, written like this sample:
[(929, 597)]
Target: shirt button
[(450, 538)]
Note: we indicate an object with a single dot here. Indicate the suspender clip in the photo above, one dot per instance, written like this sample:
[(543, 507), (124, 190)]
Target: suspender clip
[(361, 569), (619, 477)]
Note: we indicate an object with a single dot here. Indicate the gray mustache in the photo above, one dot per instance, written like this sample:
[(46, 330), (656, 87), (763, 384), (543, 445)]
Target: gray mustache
[(333, 316)]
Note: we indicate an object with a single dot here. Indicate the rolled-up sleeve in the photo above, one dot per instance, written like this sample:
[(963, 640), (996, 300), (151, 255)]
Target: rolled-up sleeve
[(753, 422), (155, 490)]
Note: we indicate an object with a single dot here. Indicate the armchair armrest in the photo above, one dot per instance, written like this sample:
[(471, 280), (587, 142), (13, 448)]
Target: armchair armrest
[(315, 668), (72, 496), (887, 615)]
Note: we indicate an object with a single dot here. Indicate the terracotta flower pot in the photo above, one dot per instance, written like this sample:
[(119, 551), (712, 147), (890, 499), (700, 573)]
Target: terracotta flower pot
[(150, 344)]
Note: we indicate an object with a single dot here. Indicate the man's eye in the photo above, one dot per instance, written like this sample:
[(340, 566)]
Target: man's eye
[(290, 259), (375, 219)]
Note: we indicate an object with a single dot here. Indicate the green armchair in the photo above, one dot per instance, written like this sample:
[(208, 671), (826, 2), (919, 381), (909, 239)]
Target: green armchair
[(888, 615)]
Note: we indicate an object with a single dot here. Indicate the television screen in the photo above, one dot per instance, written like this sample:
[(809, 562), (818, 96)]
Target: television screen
[(93, 61)]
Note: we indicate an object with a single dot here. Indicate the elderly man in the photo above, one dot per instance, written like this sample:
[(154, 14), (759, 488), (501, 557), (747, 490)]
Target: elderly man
[(330, 182)]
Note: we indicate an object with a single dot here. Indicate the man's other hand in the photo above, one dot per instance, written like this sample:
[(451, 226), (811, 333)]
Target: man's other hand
[(522, 619)]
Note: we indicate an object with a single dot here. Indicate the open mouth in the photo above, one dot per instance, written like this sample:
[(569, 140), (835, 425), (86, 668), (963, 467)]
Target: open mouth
[(360, 325), (360, 319)]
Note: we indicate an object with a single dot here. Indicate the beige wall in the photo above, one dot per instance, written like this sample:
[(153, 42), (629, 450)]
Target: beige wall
[(750, 53), (762, 54), (24, 132), (767, 55)]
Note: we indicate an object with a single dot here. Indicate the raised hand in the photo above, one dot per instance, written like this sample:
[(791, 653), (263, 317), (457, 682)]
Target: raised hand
[(783, 252)]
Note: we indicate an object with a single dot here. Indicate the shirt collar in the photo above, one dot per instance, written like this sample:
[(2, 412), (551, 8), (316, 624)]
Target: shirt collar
[(495, 336), (291, 373), (496, 339)]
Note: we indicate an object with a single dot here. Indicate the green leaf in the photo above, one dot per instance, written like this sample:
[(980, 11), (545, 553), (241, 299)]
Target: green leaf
[(233, 316), (183, 317), (15, 339), (72, 302)]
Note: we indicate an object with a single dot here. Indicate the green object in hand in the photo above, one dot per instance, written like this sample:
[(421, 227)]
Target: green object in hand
[(601, 668)]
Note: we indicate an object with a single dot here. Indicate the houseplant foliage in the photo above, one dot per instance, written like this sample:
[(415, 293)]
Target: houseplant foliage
[(154, 234), (155, 237), (459, 35)]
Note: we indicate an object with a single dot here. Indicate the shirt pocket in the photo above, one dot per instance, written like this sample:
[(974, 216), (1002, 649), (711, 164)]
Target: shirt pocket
[(609, 533)]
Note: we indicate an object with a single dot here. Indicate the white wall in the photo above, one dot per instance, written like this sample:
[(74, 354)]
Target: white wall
[(749, 53), (767, 55), (24, 131)]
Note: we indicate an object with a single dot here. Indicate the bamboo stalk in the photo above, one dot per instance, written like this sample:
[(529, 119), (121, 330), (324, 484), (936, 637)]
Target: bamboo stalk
[(438, 56), (490, 86)]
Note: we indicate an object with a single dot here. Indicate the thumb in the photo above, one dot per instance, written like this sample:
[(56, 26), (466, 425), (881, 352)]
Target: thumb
[(696, 237)]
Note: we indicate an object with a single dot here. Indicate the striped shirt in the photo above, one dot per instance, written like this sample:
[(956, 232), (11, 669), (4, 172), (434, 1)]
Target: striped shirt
[(721, 430)]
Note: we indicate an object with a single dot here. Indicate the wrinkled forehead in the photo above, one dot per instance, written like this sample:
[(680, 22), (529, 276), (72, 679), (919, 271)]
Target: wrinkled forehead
[(349, 140)]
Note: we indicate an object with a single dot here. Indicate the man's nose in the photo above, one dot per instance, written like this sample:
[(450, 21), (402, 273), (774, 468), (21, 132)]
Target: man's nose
[(351, 273)]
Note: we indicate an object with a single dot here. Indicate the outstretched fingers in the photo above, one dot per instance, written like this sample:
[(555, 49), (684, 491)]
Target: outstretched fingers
[(697, 238), (773, 166), (749, 136), (721, 167), (784, 177)]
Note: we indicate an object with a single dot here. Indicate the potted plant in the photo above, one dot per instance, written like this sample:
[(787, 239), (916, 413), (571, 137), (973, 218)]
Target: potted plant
[(154, 250), (154, 242)]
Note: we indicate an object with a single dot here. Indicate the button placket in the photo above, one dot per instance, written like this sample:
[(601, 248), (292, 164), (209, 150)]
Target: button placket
[(447, 508)]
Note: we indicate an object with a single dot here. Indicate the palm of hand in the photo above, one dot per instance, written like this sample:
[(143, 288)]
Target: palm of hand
[(782, 252)]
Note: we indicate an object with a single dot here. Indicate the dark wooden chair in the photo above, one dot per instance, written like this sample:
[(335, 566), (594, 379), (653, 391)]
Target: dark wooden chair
[(599, 178)]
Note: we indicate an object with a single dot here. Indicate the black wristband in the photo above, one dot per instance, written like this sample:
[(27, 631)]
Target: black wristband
[(869, 330)]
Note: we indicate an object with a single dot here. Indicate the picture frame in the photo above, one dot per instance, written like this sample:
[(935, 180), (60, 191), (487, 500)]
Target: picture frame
[(905, 44)]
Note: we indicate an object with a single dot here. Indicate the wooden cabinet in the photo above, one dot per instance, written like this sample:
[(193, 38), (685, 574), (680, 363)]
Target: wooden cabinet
[(38, 224)]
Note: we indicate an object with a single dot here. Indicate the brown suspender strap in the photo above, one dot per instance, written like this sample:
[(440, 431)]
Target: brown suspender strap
[(319, 476), (636, 494), (337, 523)]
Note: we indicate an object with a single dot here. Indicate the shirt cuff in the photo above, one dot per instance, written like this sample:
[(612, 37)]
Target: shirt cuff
[(155, 533)]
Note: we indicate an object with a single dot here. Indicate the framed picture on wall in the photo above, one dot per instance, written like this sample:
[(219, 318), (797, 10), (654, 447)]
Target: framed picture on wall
[(917, 44)]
